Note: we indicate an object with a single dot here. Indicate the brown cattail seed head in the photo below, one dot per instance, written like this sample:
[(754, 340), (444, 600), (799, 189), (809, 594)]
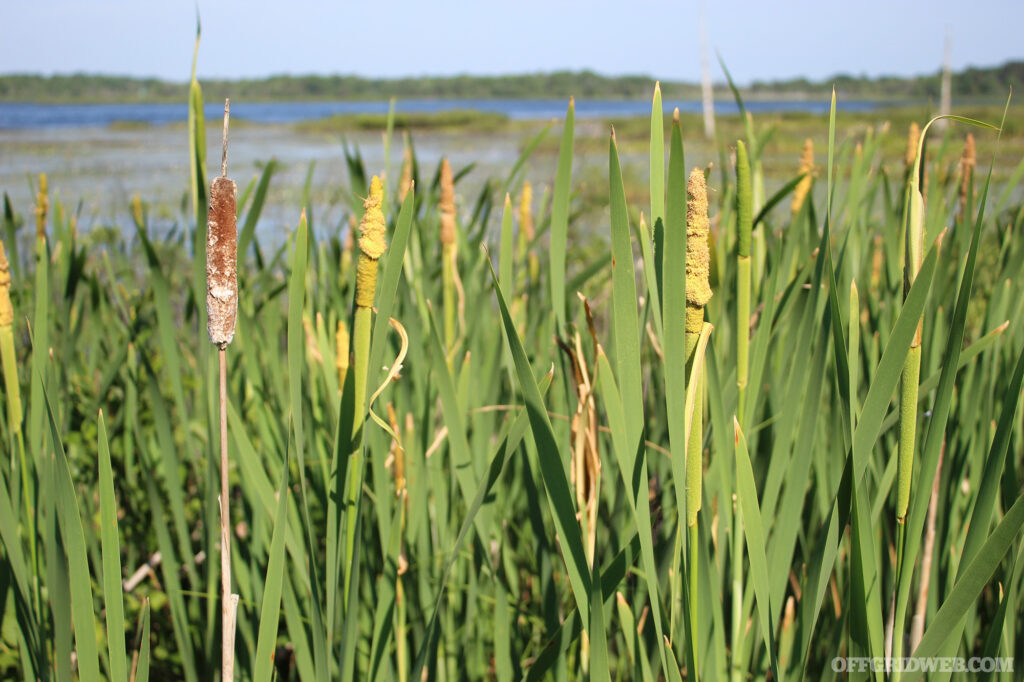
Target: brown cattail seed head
[(698, 256), (6, 310), (372, 244), (221, 262), (913, 139), (970, 157), (447, 203), (525, 214), (803, 188)]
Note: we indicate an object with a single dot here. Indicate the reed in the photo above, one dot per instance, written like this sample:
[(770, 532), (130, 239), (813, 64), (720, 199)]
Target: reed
[(372, 245), (449, 255), (221, 311), (750, 525), (806, 172), (698, 293)]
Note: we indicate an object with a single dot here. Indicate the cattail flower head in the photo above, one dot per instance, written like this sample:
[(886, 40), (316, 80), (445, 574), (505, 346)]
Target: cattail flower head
[(698, 256), (969, 158), (447, 203), (222, 262), (803, 188), (405, 184), (42, 206), (913, 139), (372, 244), (6, 310), (525, 214)]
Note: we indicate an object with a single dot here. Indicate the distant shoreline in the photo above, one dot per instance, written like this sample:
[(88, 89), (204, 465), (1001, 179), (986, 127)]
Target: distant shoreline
[(990, 83)]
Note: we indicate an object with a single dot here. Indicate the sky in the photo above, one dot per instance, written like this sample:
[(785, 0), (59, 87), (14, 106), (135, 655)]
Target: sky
[(759, 40)]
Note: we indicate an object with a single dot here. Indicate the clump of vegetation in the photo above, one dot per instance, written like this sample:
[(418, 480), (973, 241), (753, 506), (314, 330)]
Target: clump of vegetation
[(522, 464)]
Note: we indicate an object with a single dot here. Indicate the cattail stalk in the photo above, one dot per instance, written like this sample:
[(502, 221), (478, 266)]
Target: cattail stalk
[(449, 254), (221, 310), (698, 293), (372, 244), (744, 226), (913, 243)]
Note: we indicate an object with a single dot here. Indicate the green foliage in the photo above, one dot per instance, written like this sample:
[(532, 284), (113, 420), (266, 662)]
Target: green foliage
[(454, 545)]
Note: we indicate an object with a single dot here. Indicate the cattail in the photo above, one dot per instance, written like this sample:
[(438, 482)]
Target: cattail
[(341, 347), (42, 207), (526, 232), (6, 310), (447, 203), (138, 213), (407, 161), (744, 226), (803, 188), (913, 139), (698, 256), (967, 163), (221, 262), (525, 211), (221, 309), (449, 254), (698, 293), (372, 245), (10, 366)]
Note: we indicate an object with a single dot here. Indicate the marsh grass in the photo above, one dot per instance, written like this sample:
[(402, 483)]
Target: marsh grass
[(468, 534)]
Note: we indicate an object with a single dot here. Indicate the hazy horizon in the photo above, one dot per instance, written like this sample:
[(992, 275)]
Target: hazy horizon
[(718, 79)]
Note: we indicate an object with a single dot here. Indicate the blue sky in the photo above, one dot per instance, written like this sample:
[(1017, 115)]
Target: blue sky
[(758, 40)]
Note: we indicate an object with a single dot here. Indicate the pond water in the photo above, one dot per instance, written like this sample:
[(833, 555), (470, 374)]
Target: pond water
[(27, 115)]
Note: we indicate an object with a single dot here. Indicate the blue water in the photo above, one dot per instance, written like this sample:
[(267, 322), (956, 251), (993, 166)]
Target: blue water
[(28, 115)]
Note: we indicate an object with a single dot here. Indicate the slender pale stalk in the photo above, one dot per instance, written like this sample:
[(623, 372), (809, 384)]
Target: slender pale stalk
[(917, 623), (222, 308)]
